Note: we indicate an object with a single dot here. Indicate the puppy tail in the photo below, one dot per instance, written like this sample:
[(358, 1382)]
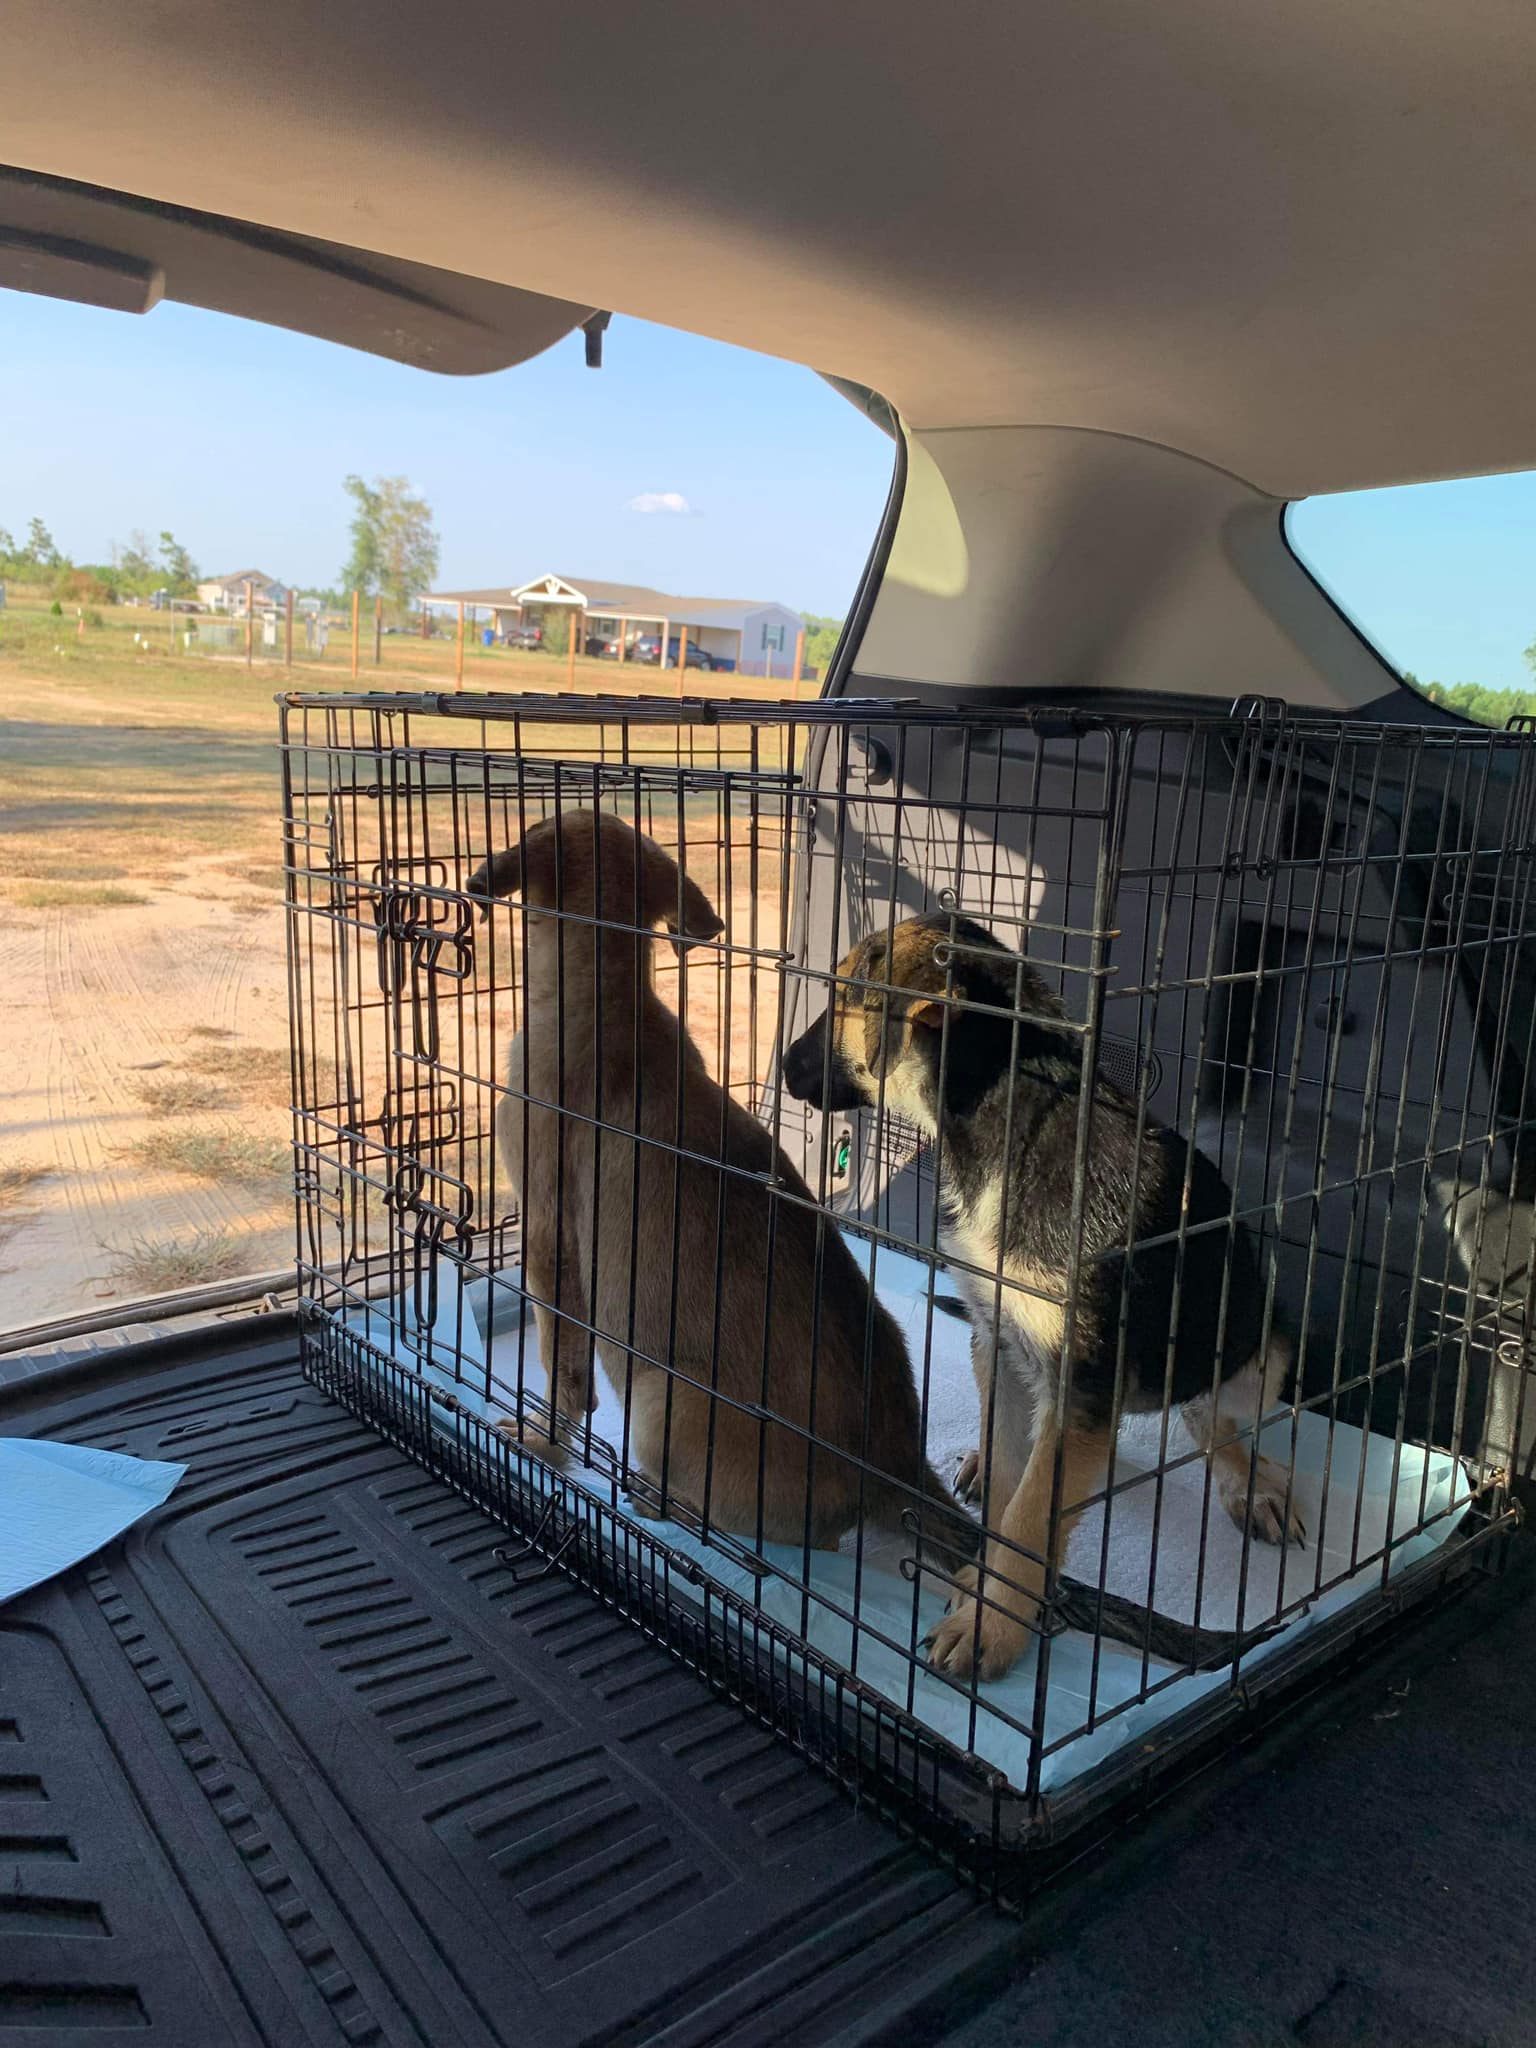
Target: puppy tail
[(944, 1533)]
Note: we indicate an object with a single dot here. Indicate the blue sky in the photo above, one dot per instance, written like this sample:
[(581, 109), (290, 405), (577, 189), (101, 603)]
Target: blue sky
[(237, 437), (1441, 576)]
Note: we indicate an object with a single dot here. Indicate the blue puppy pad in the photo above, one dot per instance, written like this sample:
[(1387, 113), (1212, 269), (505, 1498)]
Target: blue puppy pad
[(60, 1502)]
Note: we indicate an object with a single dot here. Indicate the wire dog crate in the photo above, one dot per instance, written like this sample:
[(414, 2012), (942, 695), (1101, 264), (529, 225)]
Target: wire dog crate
[(726, 1130)]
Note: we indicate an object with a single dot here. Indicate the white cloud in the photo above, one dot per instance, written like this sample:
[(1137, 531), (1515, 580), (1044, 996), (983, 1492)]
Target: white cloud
[(661, 501)]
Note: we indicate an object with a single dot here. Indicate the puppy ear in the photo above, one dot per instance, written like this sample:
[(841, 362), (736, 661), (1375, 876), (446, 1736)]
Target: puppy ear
[(675, 899), (501, 875), (883, 1012), (698, 920), (927, 1012), (874, 1033)]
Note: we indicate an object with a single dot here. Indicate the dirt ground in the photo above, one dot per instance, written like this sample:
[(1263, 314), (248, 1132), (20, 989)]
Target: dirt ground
[(144, 1120), (97, 1010)]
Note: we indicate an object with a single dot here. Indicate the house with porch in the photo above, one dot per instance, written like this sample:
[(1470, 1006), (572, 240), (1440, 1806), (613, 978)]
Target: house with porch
[(227, 593), (745, 635)]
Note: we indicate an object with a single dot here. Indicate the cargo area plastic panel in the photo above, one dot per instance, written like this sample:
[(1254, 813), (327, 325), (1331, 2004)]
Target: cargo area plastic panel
[(301, 1760)]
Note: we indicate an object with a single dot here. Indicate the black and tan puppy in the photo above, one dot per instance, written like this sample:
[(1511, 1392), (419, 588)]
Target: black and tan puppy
[(945, 1026), (661, 1222)]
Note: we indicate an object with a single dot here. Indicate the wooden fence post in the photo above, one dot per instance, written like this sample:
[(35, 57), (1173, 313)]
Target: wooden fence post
[(799, 659), (250, 621), (458, 672), (288, 631), (378, 628)]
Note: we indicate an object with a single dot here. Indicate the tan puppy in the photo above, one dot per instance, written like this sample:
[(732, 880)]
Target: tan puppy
[(640, 1182)]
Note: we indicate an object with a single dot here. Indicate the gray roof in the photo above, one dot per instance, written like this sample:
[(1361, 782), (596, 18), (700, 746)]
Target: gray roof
[(631, 600), (608, 596)]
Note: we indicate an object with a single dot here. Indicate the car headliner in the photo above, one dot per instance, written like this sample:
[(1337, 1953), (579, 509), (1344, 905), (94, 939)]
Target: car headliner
[(1296, 243)]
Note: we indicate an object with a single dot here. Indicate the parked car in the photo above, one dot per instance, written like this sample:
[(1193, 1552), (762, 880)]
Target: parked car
[(523, 636), (647, 647)]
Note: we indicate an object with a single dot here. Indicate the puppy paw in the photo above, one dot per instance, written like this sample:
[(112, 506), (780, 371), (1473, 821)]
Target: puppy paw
[(967, 1578), (968, 1479), (956, 1647), (530, 1437), (1273, 1518)]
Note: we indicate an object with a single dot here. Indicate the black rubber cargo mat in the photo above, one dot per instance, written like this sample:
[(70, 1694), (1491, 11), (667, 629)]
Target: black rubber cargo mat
[(300, 1760)]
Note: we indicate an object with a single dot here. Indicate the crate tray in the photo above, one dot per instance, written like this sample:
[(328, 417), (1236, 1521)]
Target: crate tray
[(1371, 1507)]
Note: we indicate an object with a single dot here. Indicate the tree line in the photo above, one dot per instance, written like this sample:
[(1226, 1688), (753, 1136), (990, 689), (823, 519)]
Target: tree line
[(394, 555), (136, 569), (394, 552), (1472, 700), (821, 636)]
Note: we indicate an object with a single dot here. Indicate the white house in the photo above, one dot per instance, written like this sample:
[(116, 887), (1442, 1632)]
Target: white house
[(742, 634), (227, 593)]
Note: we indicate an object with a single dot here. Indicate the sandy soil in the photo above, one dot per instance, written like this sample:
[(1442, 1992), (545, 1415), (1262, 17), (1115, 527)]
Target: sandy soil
[(95, 1005), (104, 1005), (144, 1127)]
